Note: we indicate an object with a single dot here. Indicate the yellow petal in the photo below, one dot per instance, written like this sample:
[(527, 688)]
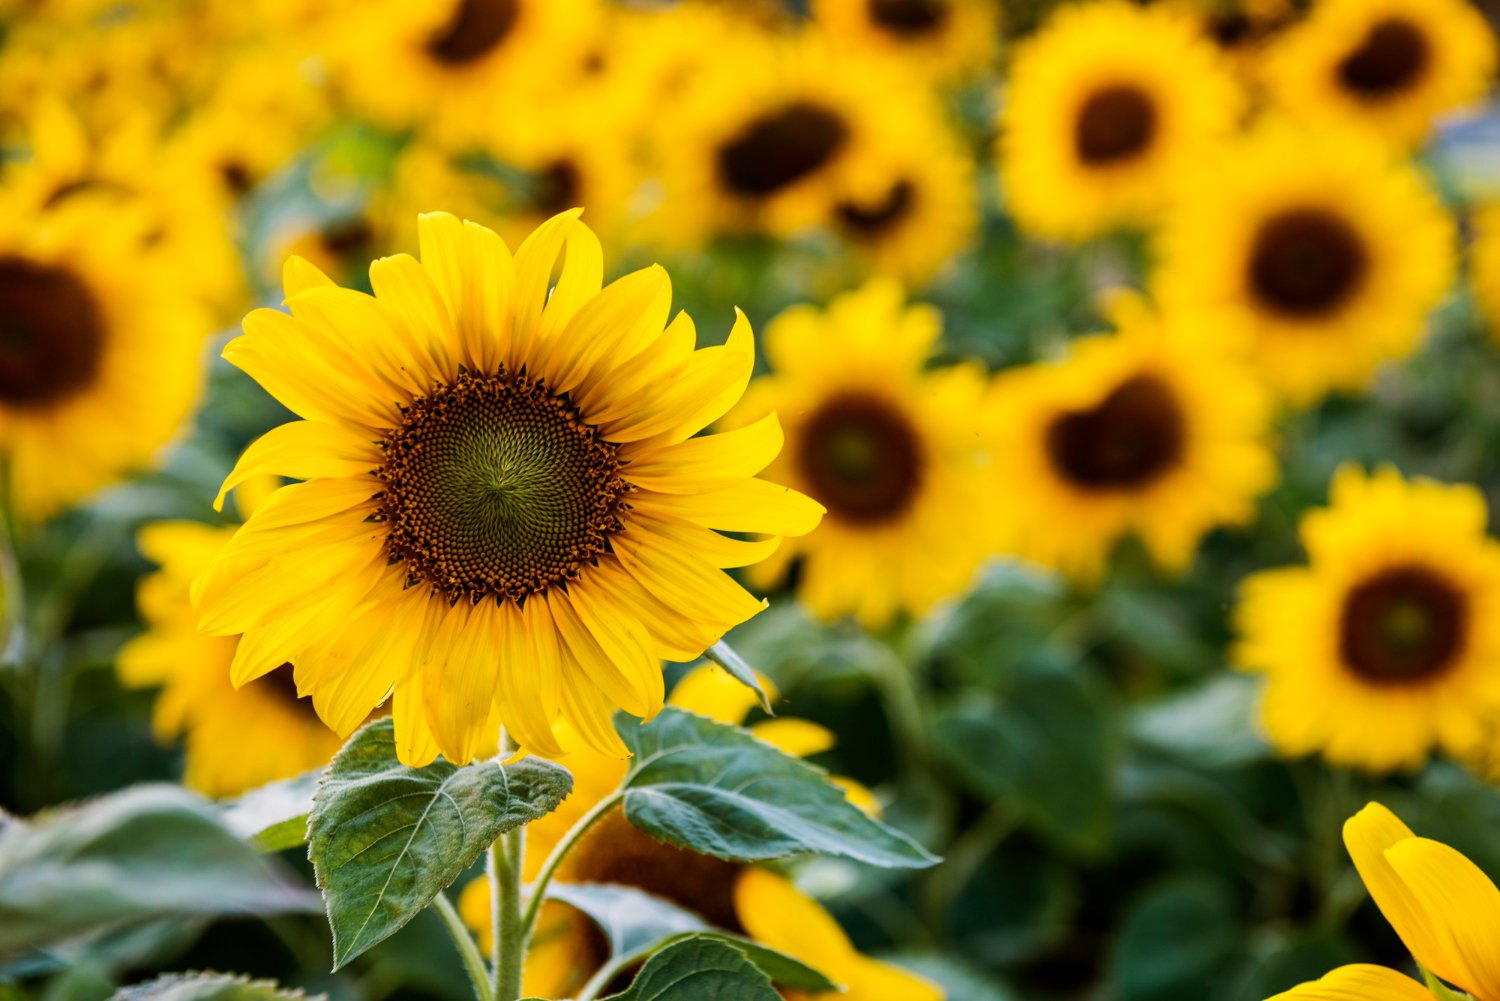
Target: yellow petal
[(710, 462), (1459, 906), (749, 506), (711, 691), (800, 738), (776, 913), (302, 450), (1359, 983)]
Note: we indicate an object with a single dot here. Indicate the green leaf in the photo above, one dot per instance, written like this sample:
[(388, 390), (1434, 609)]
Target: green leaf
[(134, 856), (1176, 942), (1210, 725), (273, 818), (637, 924), (209, 987), (703, 785), (384, 839), (696, 968), (723, 654)]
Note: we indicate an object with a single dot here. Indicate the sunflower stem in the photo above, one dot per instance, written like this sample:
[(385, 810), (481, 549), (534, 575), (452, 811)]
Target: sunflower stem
[(567, 844), (468, 949), (510, 933)]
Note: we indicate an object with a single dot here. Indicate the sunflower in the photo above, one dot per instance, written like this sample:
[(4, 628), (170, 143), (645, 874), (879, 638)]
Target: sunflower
[(277, 734), (1446, 910), (568, 949), (502, 489), (891, 450), (1320, 250), (460, 63), (915, 213), (946, 39), (1485, 263), (1392, 66), (766, 138), (1106, 107), (1395, 619), (100, 359), (1151, 430)]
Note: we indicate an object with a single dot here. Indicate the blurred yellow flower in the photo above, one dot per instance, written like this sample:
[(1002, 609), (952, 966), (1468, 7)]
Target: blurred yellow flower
[(100, 349), (1392, 66), (506, 517), (1446, 910), (1152, 430), (276, 734), (891, 450), (1319, 250), (1106, 107), (945, 39), (1387, 644)]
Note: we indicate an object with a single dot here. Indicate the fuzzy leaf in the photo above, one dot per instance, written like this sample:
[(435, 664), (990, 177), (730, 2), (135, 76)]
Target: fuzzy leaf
[(696, 968), (210, 987), (723, 654)]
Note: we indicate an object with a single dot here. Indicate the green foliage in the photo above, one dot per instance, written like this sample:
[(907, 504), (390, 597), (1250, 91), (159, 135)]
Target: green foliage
[(723, 654), (712, 788), (384, 839), (210, 987), (697, 968), (273, 818), (144, 854)]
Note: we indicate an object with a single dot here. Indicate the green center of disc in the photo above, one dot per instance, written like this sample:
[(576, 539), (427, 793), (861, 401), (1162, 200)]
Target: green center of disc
[(496, 486)]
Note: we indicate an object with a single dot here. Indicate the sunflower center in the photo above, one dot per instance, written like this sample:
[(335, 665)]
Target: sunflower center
[(617, 852), (781, 148), (496, 486), (909, 17), (557, 187), (1115, 124), (1130, 439), (1306, 262), (51, 334), (1406, 624), (1392, 57), (476, 28), (871, 221), (861, 458)]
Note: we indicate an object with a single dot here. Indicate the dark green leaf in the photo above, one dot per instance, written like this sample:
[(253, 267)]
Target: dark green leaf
[(273, 818), (138, 855), (703, 785), (1210, 725), (385, 839), (723, 654), (209, 987), (785, 970), (1176, 943), (698, 968)]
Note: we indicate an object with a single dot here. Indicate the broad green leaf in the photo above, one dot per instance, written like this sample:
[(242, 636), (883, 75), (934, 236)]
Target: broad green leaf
[(273, 818), (385, 839), (637, 923), (210, 987), (1177, 942), (703, 785), (1210, 725), (723, 654), (696, 969), (134, 856)]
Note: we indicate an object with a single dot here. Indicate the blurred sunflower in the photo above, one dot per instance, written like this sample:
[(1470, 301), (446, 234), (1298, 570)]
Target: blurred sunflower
[(890, 449), (1485, 263), (1106, 107), (730, 895), (453, 66), (506, 517), (1396, 618), (1151, 430), (945, 39), (1392, 66), (1319, 249), (100, 360), (920, 210), (1443, 906), (765, 138), (277, 734)]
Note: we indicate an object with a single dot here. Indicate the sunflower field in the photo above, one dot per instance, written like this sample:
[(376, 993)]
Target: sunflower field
[(749, 500)]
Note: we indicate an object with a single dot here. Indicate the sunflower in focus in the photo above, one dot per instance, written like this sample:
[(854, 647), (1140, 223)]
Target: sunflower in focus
[(1443, 906), (737, 897), (1151, 430), (1392, 66), (1106, 107), (888, 447), (1485, 262), (100, 362), (503, 488), (1396, 618), (457, 64), (277, 734), (1320, 250), (946, 39)]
